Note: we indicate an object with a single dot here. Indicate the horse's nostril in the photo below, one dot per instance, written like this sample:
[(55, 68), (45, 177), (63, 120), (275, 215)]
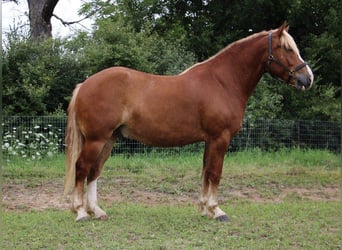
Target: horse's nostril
[(308, 80), (303, 82)]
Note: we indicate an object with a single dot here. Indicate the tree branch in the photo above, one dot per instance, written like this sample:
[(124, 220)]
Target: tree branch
[(14, 1), (65, 23)]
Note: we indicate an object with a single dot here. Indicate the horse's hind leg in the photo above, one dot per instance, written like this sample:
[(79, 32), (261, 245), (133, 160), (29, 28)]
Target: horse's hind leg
[(89, 155), (92, 177)]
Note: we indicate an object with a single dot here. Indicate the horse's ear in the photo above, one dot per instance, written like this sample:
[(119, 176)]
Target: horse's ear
[(283, 27)]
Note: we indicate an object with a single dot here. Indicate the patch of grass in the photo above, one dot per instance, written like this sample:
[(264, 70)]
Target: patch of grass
[(294, 161), (300, 225), (44, 168), (286, 157)]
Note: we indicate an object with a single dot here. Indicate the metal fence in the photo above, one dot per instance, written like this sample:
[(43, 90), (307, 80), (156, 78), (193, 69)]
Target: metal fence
[(43, 136)]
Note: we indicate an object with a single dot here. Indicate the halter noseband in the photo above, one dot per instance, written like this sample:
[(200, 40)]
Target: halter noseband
[(272, 59)]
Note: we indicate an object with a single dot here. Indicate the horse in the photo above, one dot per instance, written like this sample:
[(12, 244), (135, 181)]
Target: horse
[(205, 103)]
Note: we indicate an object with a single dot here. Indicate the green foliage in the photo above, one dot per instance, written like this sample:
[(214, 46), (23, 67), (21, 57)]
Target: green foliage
[(121, 41), (325, 51), (36, 76), (266, 102), (275, 100), (23, 92), (142, 51)]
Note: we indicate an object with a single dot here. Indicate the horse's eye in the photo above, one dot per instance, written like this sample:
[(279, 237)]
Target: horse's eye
[(288, 49)]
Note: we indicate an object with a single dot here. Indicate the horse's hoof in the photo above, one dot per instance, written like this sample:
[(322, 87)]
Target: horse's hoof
[(82, 219), (102, 218), (222, 218)]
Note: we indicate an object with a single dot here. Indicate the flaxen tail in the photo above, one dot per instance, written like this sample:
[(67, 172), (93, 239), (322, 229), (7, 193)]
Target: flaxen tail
[(74, 142)]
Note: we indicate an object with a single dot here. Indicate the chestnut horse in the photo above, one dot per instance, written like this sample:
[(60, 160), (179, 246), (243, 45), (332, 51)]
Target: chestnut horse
[(204, 103)]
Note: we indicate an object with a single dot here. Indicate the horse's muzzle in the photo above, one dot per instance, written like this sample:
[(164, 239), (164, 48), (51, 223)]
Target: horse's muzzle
[(303, 81)]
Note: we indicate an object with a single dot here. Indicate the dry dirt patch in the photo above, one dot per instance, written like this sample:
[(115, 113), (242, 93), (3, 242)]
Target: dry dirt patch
[(48, 195)]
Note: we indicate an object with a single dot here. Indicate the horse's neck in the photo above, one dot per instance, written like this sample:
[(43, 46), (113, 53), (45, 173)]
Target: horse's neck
[(240, 67)]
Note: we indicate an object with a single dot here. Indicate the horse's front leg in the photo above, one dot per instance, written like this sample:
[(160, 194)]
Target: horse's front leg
[(215, 150)]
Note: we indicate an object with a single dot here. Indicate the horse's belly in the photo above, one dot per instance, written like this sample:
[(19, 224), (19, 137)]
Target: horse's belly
[(162, 137)]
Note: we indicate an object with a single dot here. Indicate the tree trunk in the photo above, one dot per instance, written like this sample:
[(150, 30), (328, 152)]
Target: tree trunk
[(40, 13)]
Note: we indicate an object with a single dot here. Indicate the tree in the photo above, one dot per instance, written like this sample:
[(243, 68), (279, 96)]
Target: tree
[(40, 13)]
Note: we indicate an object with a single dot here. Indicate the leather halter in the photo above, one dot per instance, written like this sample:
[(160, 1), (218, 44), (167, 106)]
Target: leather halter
[(272, 59)]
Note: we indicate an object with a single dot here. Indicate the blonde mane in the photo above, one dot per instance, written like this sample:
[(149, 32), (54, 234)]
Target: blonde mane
[(287, 42)]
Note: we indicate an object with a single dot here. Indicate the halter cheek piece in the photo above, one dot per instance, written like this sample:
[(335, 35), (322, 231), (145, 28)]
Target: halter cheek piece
[(272, 59)]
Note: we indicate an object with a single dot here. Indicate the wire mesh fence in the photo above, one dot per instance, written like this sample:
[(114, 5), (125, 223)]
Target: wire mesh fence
[(36, 137)]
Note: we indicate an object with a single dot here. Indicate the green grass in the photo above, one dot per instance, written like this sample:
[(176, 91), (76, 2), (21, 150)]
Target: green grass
[(300, 225), (293, 223)]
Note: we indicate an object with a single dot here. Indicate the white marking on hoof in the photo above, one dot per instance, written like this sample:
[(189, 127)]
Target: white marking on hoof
[(82, 219), (82, 215), (103, 217), (218, 212), (99, 214)]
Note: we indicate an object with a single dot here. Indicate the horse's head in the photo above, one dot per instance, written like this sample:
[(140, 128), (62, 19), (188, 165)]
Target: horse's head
[(284, 60)]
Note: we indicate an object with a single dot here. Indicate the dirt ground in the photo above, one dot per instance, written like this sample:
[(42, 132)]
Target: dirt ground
[(26, 197)]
